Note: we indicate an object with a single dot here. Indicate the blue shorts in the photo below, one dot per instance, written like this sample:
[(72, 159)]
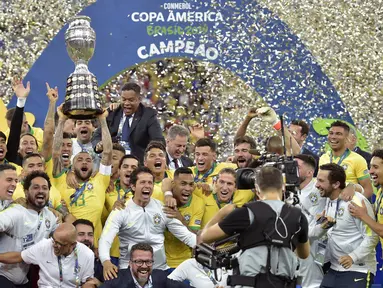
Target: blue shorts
[(347, 279)]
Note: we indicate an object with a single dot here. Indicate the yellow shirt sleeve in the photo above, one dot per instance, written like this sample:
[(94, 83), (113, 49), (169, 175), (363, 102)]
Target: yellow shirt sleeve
[(198, 211), (361, 169)]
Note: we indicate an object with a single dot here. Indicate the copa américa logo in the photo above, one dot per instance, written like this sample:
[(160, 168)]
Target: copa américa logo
[(240, 36)]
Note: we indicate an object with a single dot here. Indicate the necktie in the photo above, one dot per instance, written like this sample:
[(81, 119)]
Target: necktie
[(126, 129), (176, 163)]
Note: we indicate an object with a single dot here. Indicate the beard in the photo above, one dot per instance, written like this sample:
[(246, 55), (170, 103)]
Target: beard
[(32, 201), (82, 178), (88, 244)]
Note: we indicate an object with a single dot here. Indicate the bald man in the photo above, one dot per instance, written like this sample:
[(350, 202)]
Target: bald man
[(63, 261)]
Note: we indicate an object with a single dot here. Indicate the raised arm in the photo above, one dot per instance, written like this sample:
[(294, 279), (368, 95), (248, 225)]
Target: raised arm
[(17, 120), (107, 144), (49, 124), (58, 166), (243, 128)]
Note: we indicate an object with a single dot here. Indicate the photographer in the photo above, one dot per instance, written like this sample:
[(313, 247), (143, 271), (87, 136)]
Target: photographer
[(265, 262)]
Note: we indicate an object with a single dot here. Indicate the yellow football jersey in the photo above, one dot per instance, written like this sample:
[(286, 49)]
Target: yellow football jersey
[(157, 189), (91, 202), (38, 133), (19, 169), (378, 205), (111, 197), (60, 180), (54, 195), (177, 251), (353, 164)]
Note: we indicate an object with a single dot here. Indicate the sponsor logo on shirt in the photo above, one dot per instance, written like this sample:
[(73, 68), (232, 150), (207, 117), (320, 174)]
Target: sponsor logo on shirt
[(157, 219), (187, 218), (313, 198), (47, 223)]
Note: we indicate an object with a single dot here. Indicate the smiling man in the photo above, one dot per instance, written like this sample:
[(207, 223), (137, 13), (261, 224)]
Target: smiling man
[(354, 165), (8, 182), (59, 256), (189, 210), (176, 143), (142, 220), (25, 226), (132, 124)]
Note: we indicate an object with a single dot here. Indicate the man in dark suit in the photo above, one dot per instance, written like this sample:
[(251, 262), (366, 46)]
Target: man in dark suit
[(140, 272), (132, 124), (176, 142)]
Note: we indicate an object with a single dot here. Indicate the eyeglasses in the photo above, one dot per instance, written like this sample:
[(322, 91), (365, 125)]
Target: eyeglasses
[(139, 263), (59, 244)]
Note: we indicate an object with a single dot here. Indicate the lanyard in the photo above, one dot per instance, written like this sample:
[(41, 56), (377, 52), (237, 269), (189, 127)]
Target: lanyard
[(204, 177), (344, 155), (118, 188), (76, 268), (377, 203), (210, 275), (337, 207), (219, 203), (77, 194), (40, 221)]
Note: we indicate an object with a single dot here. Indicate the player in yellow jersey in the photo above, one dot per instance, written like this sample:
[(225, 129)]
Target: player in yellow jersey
[(87, 201), (155, 160), (121, 193), (224, 192), (189, 210), (376, 172), (206, 169), (354, 165)]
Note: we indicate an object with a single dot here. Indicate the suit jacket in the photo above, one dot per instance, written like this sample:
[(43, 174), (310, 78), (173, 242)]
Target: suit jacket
[(367, 156), (145, 128), (186, 161), (159, 280)]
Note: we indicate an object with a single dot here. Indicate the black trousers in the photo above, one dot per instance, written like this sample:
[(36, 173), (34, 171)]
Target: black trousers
[(6, 283), (347, 279)]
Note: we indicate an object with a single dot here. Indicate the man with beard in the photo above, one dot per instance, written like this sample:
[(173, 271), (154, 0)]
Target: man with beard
[(242, 147), (82, 143), (8, 182), (121, 193), (85, 235), (22, 227), (132, 124), (350, 245), (142, 220), (376, 172), (155, 160), (189, 211), (354, 165), (176, 143), (117, 153), (87, 201), (140, 272), (57, 258)]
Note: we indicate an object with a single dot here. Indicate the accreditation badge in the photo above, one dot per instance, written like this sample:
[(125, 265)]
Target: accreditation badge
[(320, 251)]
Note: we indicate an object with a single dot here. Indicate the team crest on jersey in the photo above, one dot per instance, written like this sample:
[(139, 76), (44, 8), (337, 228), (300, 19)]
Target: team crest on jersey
[(381, 210), (47, 223), (157, 219), (215, 179), (89, 186), (345, 166), (187, 218), (313, 198), (340, 212)]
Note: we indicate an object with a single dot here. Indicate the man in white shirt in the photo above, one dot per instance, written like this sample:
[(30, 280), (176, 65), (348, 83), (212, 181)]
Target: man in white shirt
[(143, 220), (350, 244), (63, 262), (22, 227), (176, 142), (8, 182)]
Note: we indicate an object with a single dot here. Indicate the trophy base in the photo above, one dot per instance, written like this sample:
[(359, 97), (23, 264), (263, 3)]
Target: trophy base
[(82, 114)]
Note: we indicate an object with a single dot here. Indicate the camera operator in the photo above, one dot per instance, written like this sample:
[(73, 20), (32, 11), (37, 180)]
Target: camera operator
[(270, 231)]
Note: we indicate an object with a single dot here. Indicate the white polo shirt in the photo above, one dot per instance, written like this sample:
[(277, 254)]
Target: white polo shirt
[(42, 254)]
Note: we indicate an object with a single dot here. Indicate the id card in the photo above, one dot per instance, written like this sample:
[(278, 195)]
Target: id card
[(320, 253)]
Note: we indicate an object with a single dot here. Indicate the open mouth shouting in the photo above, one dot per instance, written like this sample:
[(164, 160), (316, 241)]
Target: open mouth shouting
[(2, 153), (146, 193), (41, 199), (158, 165)]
